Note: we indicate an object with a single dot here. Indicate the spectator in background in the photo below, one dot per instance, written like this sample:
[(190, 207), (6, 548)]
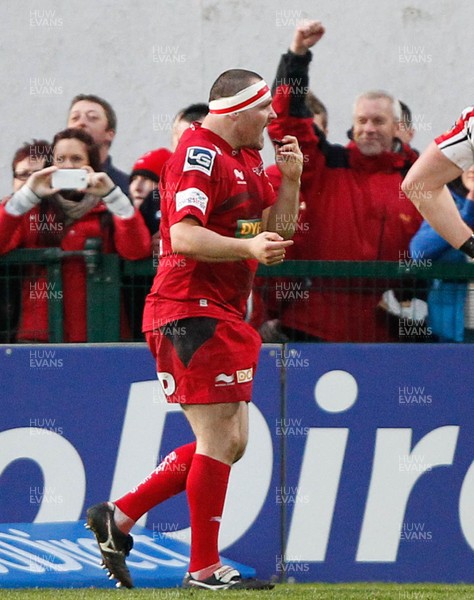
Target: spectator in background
[(39, 216), (406, 131), (144, 179), (28, 159), (450, 310), (95, 116), (186, 116), (145, 195), (354, 208), (319, 111)]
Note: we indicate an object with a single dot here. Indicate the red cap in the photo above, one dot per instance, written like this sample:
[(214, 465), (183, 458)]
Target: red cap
[(150, 164)]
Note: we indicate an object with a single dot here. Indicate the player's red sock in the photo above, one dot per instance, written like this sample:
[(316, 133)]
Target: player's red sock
[(167, 480), (206, 488)]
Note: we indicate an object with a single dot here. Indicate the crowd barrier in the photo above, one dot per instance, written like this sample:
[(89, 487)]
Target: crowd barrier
[(116, 289)]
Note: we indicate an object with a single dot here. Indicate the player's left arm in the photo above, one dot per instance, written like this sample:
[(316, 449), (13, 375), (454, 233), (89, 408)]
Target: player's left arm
[(282, 216)]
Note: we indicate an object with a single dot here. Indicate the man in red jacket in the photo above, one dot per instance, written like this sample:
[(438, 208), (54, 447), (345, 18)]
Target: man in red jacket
[(353, 207)]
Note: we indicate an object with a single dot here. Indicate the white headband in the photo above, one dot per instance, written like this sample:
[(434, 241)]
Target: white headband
[(247, 98)]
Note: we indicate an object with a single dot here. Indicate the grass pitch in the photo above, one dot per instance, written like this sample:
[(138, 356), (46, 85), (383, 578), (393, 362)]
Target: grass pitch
[(354, 591)]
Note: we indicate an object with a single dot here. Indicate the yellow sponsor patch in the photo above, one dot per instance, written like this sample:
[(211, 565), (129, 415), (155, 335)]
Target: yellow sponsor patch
[(248, 228)]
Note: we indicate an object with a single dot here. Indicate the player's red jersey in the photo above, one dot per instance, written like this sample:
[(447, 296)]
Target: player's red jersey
[(226, 190), (458, 143)]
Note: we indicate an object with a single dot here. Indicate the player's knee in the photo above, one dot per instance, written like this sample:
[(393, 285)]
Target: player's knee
[(236, 444), (239, 454)]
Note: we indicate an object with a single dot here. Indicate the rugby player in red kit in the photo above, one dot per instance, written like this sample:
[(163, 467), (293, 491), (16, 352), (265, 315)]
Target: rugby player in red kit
[(220, 218)]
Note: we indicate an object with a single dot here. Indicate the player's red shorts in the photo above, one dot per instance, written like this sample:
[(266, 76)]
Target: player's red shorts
[(201, 360)]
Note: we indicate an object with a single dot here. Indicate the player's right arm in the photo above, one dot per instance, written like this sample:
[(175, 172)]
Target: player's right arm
[(190, 238), (425, 184)]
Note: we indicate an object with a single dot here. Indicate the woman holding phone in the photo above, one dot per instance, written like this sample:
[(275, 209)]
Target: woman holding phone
[(40, 215)]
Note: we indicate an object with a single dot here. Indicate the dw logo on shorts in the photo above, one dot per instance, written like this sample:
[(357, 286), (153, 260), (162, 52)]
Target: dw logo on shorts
[(199, 159), (168, 382), (245, 375)]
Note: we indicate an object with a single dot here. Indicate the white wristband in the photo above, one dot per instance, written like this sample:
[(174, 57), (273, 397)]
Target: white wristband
[(22, 201), (118, 203)]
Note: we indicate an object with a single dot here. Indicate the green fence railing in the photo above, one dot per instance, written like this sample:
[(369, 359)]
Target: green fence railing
[(115, 286), (103, 289)]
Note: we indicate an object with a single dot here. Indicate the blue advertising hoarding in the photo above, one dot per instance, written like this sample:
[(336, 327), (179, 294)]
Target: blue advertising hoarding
[(380, 444), (64, 555), (358, 466)]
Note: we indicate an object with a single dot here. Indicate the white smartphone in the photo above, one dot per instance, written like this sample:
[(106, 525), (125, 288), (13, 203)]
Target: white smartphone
[(69, 179)]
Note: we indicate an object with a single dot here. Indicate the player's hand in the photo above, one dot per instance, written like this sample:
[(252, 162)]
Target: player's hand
[(289, 158), (306, 35), (269, 248)]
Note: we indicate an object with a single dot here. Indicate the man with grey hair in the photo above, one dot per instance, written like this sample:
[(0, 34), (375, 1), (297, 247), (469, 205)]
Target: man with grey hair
[(352, 207), (376, 118)]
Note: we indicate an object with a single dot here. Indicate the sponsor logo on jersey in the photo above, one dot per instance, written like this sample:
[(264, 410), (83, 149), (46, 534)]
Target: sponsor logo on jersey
[(202, 302), (239, 174), (192, 197), (199, 159), (248, 228), (244, 375), (224, 379)]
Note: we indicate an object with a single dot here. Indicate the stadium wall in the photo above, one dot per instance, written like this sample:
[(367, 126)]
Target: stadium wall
[(151, 58)]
